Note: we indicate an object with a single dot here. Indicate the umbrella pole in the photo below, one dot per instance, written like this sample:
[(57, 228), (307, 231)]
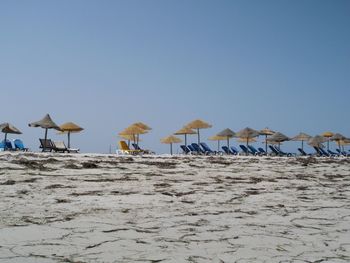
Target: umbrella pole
[(302, 145), (185, 139), (266, 143), (198, 137), (129, 143), (5, 141), (247, 144), (68, 140), (44, 148), (218, 145), (171, 149), (228, 142), (328, 144)]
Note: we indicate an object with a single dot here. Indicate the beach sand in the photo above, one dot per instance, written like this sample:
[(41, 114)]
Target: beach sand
[(108, 208)]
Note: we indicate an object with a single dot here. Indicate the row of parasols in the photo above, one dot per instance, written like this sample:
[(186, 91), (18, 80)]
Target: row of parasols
[(45, 123), (249, 135)]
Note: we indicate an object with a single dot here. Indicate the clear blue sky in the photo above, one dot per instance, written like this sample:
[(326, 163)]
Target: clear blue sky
[(107, 64)]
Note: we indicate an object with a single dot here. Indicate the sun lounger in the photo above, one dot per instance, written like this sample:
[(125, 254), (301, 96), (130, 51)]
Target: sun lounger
[(207, 149), (302, 152), (46, 145), (185, 149), (253, 150), (227, 150), (245, 149), (19, 145), (234, 150), (342, 152), (6, 146), (124, 149), (137, 147), (198, 149), (59, 147), (262, 151), (333, 153), (278, 152)]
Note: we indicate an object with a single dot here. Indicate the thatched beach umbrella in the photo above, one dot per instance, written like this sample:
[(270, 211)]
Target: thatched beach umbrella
[(197, 125), (301, 137), (134, 131), (244, 140), (267, 132), (45, 123), (218, 139), (170, 140), (8, 128), (227, 133), (68, 128), (278, 138), (338, 138), (246, 134), (142, 126), (185, 131), (327, 135), (317, 141)]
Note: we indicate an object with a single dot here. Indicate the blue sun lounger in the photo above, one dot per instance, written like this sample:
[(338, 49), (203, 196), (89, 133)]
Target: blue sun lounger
[(207, 149), (262, 151), (227, 150), (234, 150), (19, 145), (185, 149)]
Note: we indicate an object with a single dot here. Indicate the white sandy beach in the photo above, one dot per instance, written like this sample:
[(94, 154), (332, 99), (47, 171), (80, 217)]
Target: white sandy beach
[(104, 208)]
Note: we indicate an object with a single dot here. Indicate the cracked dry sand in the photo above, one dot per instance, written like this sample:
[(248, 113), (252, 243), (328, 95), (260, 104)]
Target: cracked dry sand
[(104, 208)]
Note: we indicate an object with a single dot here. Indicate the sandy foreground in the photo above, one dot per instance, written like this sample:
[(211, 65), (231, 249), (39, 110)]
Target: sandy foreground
[(105, 208)]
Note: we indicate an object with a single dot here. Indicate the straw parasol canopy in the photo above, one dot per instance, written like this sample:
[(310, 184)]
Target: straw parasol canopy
[(142, 126), (218, 139), (8, 128), (134, 131), (267, 132), (317, 141), (244, 140), (301, 137), (197, 125), (45, 123), (278, 138), (327, 135), (185, 131), (170, 140), (246, 134), (227, 133), (68, 128), (338, 138)]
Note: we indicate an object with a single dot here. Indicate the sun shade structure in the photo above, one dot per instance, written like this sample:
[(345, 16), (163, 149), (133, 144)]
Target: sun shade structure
[(327, 135), (317, 141), (8, 128), (142, 126), (45, 123), (197, 125), (227, 133), (278, 138), (170, 140), (218, 139), (338, 138), (246, 134), (70, 127), (267, 132), (303, 137), (134, 131), (185, 131), (249, 140)]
